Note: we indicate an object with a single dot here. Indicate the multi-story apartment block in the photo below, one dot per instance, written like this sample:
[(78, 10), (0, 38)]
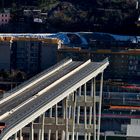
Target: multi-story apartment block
[(26, 56)]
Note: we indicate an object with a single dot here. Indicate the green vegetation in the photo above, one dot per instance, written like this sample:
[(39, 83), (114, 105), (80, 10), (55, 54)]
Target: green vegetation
[(15, 76), (117, 16)]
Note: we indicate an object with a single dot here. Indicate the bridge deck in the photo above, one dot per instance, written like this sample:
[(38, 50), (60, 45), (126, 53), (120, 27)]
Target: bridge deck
[(74, 76), (20, 98)]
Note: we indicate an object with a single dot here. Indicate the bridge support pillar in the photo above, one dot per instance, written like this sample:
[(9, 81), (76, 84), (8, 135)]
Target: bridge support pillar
[(15, 136), (78, 113), (74, 96), (66, 119), (69, 111), (100, 105), (89, 136), (93, 91), (41, 131), (56, 135), (56, 121), (85, 110), (50, 112), (31, 131), (49, 134), (20, 135), (63, 135)]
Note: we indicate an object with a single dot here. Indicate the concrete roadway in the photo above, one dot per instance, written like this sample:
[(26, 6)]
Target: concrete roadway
[(54, 92), (33, 109), (10, 104)]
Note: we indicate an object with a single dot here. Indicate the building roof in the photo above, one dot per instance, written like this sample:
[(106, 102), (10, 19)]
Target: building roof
[(81, 38)]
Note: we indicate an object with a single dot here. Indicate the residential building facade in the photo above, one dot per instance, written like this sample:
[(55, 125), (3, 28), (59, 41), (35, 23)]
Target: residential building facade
[(26, 56)]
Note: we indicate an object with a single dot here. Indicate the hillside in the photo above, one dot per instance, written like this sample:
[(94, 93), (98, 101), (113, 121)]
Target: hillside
[(115, 16)]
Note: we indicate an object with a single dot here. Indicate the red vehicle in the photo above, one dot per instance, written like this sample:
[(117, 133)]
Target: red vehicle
[(2, 126)]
